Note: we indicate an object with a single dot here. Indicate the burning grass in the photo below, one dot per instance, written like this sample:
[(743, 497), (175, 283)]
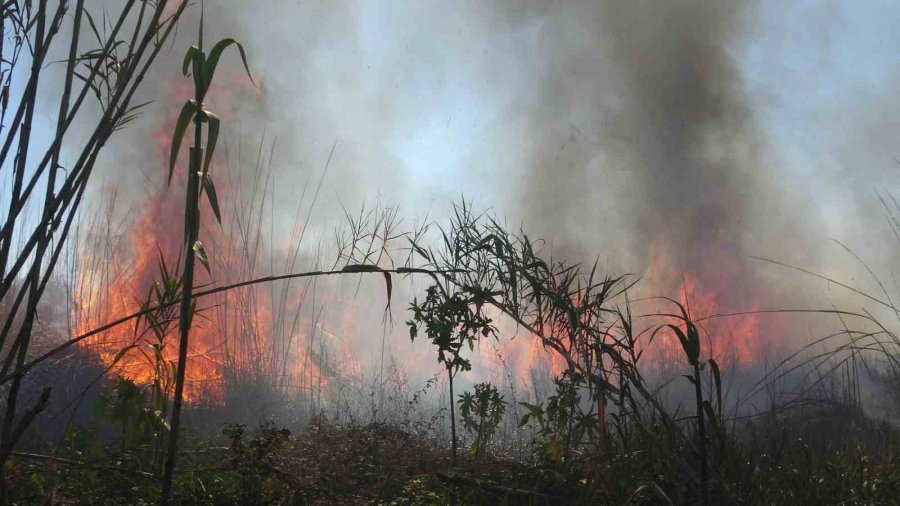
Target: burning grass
[(606, 429), (635, 405)]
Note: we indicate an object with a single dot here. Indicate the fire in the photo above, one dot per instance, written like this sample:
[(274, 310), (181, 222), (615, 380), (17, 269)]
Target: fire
[(260, 335), (727, 338), (244, 333), (525, 354), (722, 301), (721, 297)]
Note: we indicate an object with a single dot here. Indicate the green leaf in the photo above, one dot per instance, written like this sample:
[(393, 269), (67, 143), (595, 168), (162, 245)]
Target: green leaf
[(691, 349), (200, 27), (216, 52), (555, 449), (420, 251), (122, 352), (90, 84), (694, 341), (184, 119), (680, 335), (717, 379), (201, 255), (93, 26), (536, 411), (389, 287), (210, 189), (201, 82), (213, 134), (189, 59)]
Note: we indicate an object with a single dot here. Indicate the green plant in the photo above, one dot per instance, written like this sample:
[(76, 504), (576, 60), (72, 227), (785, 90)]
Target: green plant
[(140, 425), (199, 182), (158, 323), (481, 414), (44, 198), (450, 320), (562, 422), (252, 461), (689, 338)]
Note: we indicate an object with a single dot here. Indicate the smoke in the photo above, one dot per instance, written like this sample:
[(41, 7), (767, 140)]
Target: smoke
[(630, 131), (695, 142), (607, 127), (592, 120), (644, 137)]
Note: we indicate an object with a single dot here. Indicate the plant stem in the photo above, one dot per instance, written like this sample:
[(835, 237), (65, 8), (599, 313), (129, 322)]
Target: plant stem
[(452, 415), (701, 431), (192, 225)]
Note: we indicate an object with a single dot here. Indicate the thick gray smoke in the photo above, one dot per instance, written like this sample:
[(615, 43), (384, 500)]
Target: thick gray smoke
[(619, 120), (663, 150), (695, 142), (634, 131), (611, 128)]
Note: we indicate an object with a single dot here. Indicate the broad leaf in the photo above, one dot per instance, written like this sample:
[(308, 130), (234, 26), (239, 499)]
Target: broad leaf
[(210, 189), (215, 54), (201, 83), (694, 341), (184, 119), (213, 134), (201, 255), (189, 59)]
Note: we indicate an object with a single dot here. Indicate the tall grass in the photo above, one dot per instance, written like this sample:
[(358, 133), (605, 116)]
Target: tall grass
[(603, 429), (107, 62)]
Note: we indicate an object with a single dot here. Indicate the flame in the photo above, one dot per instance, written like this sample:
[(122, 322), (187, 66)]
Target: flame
[(237, 334), (721, 299), (525, 354), (243, 333)]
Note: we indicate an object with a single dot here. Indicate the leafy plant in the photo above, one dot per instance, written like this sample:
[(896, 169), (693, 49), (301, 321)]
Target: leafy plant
[(44, 198), (481, 414), (202, 68), (689, 338), (451, 321), (252, 460), (562, 423), (141, 426)]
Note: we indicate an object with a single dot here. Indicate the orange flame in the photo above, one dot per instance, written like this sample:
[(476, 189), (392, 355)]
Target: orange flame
[(236, 333), (721, 300)]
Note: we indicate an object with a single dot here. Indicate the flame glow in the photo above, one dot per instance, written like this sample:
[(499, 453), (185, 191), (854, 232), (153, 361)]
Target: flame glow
[(242, 333)]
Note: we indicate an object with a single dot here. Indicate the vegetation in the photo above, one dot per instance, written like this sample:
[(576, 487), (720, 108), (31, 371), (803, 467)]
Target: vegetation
[(481, 414), (450, 322), (120, 53), (606, 432), (200, 182)]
